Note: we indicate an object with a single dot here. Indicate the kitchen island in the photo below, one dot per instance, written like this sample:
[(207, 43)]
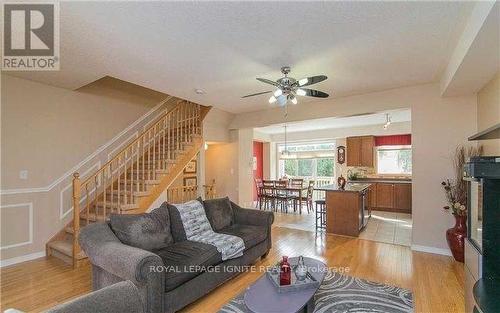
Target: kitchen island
[(346, 209)]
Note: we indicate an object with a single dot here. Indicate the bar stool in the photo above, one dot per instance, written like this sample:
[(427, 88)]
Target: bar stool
[(320, 214)]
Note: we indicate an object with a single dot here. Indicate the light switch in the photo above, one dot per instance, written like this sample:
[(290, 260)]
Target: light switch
[(23, 174)]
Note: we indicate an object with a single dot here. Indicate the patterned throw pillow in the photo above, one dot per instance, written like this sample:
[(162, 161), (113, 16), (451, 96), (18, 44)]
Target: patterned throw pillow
[(148, 231)]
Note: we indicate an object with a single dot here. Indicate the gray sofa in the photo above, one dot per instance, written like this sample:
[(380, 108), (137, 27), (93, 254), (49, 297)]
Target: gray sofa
[(169, 291), (118, 298)]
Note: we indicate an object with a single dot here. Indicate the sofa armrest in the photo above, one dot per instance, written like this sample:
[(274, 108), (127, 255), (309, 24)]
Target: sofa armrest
[(106, 251), (252, 217), (120, 297)]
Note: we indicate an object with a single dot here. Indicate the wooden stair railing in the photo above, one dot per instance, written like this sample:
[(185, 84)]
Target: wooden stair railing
[(137, 172), (181, 194)]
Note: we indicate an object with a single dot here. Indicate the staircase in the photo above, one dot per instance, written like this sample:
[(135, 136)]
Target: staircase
[(134, 178)]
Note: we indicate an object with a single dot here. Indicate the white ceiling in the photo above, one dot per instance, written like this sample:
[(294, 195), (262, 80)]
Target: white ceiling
[(221, 47), (339, 122)]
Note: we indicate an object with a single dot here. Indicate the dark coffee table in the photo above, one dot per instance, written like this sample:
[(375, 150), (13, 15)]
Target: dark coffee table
[(263, 296)]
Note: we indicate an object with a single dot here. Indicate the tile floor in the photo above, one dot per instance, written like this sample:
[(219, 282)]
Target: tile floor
[(388, 227), (385, 227)]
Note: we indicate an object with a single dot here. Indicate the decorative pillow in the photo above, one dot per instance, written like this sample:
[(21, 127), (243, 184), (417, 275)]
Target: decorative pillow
[(148, 231), (219, 212)]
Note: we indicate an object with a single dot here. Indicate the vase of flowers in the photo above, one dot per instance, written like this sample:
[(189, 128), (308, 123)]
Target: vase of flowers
[(456, 195), (456, 235)]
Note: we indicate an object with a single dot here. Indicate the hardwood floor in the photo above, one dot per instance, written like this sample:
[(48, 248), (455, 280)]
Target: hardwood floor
[(436, 281)]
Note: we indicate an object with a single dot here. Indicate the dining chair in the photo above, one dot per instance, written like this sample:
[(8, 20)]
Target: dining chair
[(258, 187), (281, 194), (269, 194), (295, 194), (309, 196)]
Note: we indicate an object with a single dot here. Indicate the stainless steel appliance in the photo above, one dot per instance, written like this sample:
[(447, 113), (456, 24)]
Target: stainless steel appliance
[(364, 213)]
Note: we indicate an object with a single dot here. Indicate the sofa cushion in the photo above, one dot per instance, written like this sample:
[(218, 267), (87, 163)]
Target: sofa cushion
[(176, 226), (219, 212), (251, 235), (180, 256), (147, 231)]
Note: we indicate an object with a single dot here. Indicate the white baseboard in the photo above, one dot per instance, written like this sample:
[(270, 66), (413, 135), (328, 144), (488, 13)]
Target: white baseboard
[(430, 250), (22, 258)]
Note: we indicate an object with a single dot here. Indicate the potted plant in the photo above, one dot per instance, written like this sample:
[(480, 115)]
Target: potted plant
[(456, 195)]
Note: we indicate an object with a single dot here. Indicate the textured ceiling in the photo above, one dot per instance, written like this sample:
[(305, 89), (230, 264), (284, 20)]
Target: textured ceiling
[(340, 122), (221, 47)]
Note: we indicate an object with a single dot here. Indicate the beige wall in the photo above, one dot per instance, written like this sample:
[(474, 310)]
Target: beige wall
[(221, 164), (47, 130), (488, 113), (216, 125), (52, 132), (439, 125)]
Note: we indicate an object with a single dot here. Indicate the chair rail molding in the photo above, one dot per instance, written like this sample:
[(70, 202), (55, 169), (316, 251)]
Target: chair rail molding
[(95, 154)]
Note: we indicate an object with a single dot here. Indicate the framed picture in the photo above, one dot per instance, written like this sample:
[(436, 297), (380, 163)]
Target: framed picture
[(190, 181), (190, 167)]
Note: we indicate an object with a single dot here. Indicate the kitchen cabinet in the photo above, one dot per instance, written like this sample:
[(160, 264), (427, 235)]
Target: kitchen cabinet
[(360, 151), (385, 195), (346, 210), (353, 150), (402, 197), (390, 196), (367, 146), (372, 196)]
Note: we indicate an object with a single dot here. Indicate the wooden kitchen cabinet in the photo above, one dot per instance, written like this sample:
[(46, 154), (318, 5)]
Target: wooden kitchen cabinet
[(353, 149), (393, 197), (367, 145), (360, 151), (402, 197), (385, 195), (372, 196)]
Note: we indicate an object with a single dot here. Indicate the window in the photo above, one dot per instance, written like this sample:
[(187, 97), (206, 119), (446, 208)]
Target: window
[(316, 167), (394, 160), (311, 161), (324, 167)]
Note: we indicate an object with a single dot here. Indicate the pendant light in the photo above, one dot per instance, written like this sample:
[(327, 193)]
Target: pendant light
[(286, 154)]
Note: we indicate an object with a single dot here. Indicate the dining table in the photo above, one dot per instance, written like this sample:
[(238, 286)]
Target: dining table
[(289, 191)]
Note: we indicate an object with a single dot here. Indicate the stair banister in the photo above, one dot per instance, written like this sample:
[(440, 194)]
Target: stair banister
[(76, 215)]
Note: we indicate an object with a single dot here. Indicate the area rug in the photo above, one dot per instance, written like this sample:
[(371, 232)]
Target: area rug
[(345, 294)]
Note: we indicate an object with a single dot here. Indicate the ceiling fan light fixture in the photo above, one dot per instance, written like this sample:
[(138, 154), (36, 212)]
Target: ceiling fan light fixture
[(272, 99), (300, 92), (303, 81), (278, 93), (294, 100)]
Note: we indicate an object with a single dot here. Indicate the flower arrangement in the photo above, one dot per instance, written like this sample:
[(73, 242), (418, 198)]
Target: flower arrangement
[(457, 207), (456, 190)]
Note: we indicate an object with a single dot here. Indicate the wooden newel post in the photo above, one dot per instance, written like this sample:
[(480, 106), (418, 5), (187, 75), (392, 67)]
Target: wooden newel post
[(76, 216)]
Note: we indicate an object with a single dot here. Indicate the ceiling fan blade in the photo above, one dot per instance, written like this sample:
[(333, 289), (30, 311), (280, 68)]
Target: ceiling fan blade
[(256, 94), (267, 81), (315, 93), (311, 80)]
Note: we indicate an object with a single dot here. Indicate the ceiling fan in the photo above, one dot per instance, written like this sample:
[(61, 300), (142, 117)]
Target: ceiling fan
[(289, 88)]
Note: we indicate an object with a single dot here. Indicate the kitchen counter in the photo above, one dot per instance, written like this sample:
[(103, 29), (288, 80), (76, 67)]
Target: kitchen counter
[(346, 209), (349, 187), (381, 180)]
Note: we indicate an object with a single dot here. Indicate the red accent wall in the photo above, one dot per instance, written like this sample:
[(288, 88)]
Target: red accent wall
[(393, 140), (258, 153)]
